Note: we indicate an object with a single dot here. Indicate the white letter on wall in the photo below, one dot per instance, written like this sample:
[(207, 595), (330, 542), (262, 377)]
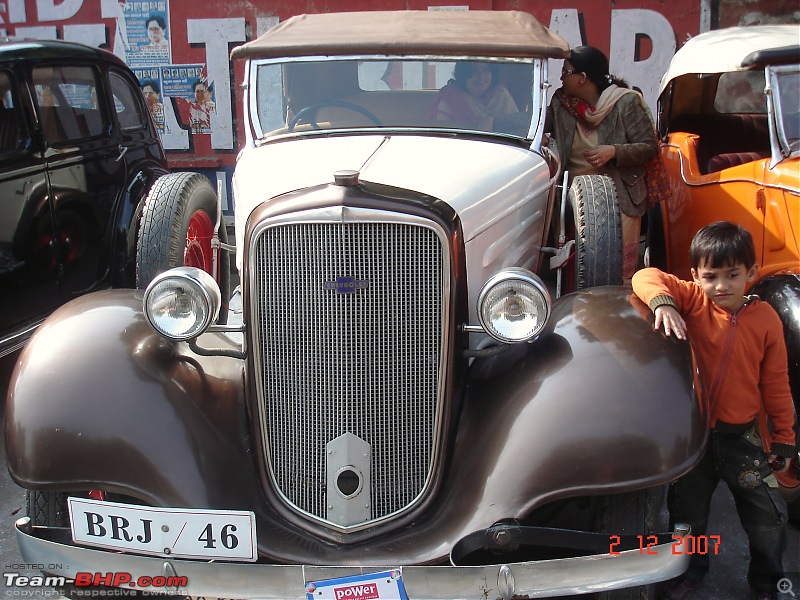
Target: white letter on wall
[(91, 35), (216, 34), (645, 74), (566, 23), (45, 32), (16, 11), (48, 11)]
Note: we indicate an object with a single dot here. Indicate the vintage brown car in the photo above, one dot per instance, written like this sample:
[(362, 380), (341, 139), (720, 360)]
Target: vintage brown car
[(397, 407)]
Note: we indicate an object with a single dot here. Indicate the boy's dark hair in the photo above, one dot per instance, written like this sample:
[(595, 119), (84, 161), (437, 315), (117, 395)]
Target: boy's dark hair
[(722, 244)]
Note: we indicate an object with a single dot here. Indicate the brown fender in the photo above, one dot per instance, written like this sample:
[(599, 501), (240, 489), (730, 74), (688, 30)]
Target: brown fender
[(599, 403), (98, 397)]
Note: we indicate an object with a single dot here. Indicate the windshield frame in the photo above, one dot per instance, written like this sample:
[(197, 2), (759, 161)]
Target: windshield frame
[(774, 76), (257, 134)]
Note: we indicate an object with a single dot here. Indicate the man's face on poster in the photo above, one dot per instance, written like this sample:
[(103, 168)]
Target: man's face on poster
[(155, 32)]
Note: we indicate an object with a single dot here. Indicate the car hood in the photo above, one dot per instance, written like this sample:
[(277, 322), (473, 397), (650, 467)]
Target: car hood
[(482, 180)]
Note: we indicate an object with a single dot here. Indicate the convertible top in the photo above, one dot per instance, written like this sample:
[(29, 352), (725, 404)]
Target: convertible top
[(733, 49), (408, 33)]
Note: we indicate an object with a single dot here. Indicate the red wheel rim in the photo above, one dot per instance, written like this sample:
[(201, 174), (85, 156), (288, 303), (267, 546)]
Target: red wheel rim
[(197, 252)]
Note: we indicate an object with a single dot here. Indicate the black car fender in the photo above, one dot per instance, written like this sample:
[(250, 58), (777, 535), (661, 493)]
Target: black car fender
[(782, 292), (126, 223)]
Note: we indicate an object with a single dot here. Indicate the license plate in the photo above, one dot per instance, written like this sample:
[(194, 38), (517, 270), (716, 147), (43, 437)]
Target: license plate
[(386, 585), (173, 532)]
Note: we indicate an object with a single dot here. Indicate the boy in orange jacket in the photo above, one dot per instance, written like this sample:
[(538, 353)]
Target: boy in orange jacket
[(741, 356)]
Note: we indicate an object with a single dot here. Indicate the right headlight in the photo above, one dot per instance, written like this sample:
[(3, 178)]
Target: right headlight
[(181, 303), (513, 305)]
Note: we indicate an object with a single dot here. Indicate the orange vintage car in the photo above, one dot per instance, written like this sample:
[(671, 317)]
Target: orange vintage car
[(729, 121)]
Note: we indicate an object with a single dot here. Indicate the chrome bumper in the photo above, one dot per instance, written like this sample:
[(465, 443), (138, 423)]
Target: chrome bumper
[(51, 547)]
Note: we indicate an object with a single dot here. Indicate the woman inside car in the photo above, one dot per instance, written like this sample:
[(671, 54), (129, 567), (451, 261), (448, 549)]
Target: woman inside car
[(473, 97)]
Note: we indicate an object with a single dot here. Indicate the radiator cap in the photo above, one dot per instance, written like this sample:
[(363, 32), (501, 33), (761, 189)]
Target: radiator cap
[(346, 178)]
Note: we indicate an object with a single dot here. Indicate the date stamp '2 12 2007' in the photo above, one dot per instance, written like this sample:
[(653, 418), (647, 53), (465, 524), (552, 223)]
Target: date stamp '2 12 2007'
[(689, 544)]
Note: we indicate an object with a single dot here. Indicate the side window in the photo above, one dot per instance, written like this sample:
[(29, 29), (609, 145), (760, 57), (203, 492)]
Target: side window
[(127, 104), (10, 139), (66, 99)]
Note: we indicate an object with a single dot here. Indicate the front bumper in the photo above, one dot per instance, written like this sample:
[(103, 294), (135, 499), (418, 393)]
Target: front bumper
[(536, 579)]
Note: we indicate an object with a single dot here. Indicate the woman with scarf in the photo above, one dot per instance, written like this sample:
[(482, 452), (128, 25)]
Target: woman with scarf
[(603, 128), (472, 98)]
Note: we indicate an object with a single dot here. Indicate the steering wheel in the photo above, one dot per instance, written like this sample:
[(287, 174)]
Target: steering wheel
[(340, 103)]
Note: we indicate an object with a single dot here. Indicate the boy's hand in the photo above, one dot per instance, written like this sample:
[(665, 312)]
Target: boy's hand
[(672, 321), (779, 464)]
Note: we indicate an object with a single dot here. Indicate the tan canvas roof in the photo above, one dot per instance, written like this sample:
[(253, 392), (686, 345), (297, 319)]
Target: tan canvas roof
[(408, 32)]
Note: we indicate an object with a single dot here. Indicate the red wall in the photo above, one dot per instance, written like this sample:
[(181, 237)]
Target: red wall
[(640, 36)]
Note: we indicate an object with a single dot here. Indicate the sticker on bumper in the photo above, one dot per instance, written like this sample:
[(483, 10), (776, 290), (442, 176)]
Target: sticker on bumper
[(386, 585)]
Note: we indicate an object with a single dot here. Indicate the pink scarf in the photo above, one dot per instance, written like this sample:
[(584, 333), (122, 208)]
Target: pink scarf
[(589, 117)]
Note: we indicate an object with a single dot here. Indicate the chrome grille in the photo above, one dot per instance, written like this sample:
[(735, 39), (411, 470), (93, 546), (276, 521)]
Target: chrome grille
[(367, 362)]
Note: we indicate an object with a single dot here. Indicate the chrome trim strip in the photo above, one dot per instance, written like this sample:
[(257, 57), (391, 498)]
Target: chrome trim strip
[(535, 579), (784, 188), (18, 339)]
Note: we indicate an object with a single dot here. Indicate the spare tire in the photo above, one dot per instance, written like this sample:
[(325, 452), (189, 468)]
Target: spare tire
[(594, 224), (176, 229)]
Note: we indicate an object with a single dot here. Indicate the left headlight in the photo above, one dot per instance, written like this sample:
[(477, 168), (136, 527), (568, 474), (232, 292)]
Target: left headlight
[(513, 305), (181, 303)]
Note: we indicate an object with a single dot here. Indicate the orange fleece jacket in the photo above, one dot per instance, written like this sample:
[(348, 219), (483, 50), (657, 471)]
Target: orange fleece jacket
[(741, 358)]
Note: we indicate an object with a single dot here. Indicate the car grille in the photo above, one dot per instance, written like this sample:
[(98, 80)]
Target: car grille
[(350, 319)]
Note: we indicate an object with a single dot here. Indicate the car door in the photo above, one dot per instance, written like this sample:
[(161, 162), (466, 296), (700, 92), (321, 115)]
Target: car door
[(29, 265), (84, 168)]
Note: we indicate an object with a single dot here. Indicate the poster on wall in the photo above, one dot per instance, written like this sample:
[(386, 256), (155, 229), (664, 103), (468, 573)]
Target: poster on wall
[(146, 33), (150, 84), (192, 95)]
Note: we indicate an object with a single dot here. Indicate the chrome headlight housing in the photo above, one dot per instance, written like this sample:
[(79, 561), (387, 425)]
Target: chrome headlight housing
[(181, 303), (514, 305)]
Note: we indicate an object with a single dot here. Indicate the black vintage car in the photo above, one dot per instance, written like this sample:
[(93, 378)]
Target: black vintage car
[(79, 156)]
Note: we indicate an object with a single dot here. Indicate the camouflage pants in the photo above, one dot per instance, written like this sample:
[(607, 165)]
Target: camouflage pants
[(738, 460)]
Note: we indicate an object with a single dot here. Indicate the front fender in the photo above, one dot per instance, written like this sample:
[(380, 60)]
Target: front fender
[(97, 397), (600, 403)]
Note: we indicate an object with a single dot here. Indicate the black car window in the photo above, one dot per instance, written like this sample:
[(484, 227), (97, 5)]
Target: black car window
[(9, 117), (127, 103), (66, 99)]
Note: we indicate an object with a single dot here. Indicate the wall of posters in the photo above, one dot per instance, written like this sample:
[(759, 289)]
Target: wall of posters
[(180, 52)]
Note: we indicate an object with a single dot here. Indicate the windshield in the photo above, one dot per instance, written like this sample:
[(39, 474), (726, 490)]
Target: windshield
[(788, 107), (328, 94)]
